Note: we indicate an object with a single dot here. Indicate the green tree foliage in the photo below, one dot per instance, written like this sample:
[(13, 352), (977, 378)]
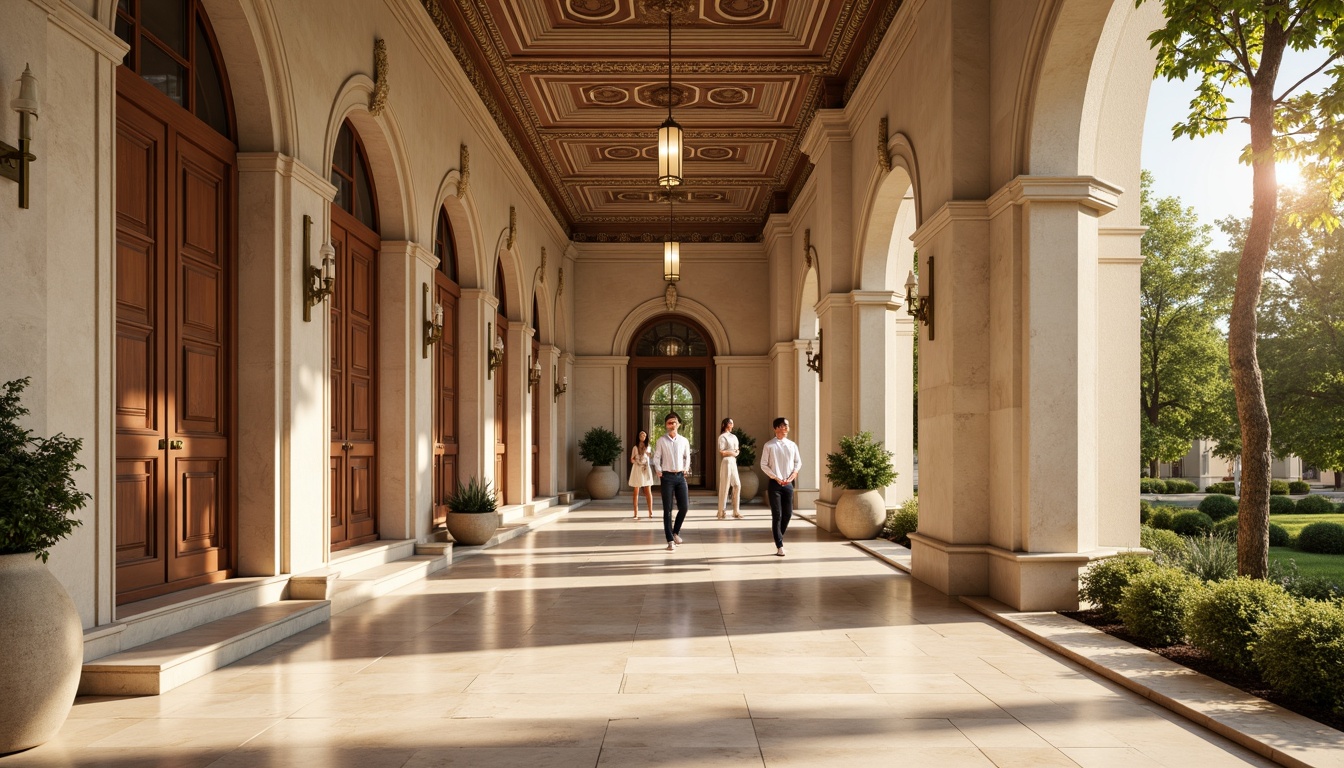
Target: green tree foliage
[(1183, 355), (38, 497), (1227, 44)]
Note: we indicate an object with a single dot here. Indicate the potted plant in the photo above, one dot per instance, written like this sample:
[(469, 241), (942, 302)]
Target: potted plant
[(746, 459), (601, 447), (472, 518), (40, 631), (863, 468)]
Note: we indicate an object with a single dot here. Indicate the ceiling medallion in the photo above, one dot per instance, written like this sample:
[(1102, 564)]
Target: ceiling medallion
[(743, 9), (592, 9), (663, 95), (607, 95)]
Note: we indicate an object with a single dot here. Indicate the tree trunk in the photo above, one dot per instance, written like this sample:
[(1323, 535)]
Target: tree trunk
[(1154, 468), (1247, 384), (1339, 479)]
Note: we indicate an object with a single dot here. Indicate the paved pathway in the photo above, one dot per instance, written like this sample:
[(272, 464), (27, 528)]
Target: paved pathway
[(586, 644)]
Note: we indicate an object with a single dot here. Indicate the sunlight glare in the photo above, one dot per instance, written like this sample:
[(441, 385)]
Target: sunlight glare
[(1288, 174)]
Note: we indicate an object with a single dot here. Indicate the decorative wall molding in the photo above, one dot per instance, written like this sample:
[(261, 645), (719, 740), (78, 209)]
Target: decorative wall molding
[(378, 100), (883, 153), (513, 228), (464, 171)]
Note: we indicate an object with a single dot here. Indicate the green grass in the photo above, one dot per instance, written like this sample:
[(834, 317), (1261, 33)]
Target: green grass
[(1308, 564), (1295, 523)]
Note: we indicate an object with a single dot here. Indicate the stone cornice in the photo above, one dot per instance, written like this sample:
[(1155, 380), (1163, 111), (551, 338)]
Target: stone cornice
[(1087, 191), (289, 167), (85, 29), (951, 211), (743, 361), (828, 126), (777, 227), (600, 361), (834, 301), (888, 299)]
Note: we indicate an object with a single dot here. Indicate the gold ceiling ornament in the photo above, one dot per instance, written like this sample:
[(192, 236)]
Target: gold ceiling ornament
[(560, 288), (464, 172), (883, 154), (540, 276), (513, 228), (808, 250), (381, 84)]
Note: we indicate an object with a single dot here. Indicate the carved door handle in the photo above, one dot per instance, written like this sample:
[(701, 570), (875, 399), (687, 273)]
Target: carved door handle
[(347, 446), (163, 443), (175, 445)]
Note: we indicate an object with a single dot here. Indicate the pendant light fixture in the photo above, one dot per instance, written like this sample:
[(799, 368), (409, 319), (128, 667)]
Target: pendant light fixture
[(669, 133), (671, 248)]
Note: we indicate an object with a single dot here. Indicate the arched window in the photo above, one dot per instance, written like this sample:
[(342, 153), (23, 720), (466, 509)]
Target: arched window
[(174, 50), (444, 247), (670, 338), (503, 309), (350, 174)]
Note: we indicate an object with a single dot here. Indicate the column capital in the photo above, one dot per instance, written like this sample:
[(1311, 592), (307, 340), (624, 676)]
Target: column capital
[(288, 167), (828, 126), (834, 301), (1086, 191), (891, 300)]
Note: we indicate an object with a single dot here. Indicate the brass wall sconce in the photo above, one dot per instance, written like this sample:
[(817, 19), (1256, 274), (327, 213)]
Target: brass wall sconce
[(496, 346), (814, 361), (533, 374), (561, 385), (14, 160), (318, 282), (920, 307), (433, 322)]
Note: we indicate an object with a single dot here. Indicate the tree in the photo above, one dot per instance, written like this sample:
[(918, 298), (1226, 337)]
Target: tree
[(1183, 355), (1241, 43)]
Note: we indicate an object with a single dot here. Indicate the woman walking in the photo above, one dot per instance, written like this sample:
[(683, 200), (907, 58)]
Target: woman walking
[(641, 477), (728, 477)]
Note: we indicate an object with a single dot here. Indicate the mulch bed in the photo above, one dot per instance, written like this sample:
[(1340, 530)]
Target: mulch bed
[(1188, 656)]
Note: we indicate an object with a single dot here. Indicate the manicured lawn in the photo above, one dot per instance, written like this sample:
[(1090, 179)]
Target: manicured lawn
[(1308, 564), (1295, 523)]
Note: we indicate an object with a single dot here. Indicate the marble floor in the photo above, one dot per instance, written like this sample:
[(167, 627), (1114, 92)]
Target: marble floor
[(586, 644)]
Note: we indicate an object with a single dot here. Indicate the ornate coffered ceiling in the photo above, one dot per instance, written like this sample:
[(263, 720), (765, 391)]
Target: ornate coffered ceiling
[(579, 88)]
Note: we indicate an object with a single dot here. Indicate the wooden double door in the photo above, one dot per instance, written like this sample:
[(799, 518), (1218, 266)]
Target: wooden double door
[(446, 293), (174, 389), (354, 383)]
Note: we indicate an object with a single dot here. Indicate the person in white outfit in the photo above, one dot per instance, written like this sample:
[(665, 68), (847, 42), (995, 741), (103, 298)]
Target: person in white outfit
[(780, 462), (641, 477), (728, 477)]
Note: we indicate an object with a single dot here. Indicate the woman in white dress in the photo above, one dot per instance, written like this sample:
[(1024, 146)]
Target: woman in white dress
[(728, 477), (641, 477)]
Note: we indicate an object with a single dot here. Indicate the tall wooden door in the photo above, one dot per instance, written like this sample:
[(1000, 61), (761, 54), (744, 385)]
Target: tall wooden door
[(354, 386), (536, 413), (175, 204), (501, 378), (446, 294)]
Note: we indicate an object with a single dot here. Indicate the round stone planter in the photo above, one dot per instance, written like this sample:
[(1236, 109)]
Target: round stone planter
[(860, 514), (751, 482), (603, 483), (472, 528), (43, 644)]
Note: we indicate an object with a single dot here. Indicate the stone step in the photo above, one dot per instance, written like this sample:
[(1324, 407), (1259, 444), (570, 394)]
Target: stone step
[(346, 592), (366, 556), (515, 529), (164, 664)]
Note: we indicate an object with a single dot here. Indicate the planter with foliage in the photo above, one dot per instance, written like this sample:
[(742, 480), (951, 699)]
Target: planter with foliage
[(472, 515), (40, 630), (601, 447), (746, 460), (862, 466)]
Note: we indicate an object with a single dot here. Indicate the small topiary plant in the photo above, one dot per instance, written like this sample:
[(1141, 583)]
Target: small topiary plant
[(1103, 583), (1229, 527), (1278, 487), (1301, 652), (1161, 518), (1177, 485), (1228, 487), (1315, 505), (472, 498), (1167, 546), (1152, 485), (1223, 619), (1145, 511), (902, 521), (600, 447), (1279, 536), (1281, 505), (1218, 506), (1298, 487), (861, 464), (1192, 523), (746, 448), (1322, 538), (38, 497), (1154, 605)]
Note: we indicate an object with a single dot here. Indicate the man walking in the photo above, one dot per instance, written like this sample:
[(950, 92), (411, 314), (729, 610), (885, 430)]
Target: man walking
[(780, 461), (671, 461)]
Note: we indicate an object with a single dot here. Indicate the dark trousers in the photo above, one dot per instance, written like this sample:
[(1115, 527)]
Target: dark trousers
[(781, 509), (674, 484)]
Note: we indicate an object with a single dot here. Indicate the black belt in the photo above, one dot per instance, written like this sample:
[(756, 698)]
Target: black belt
[(674, 473)]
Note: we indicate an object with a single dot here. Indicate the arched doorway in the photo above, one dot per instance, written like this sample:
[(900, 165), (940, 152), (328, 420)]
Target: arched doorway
[(501, 379), (176, 205), (447, 291), (354, 347), (672, 368)]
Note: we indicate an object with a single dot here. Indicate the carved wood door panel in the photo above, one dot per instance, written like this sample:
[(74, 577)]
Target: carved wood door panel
[(445, 397)]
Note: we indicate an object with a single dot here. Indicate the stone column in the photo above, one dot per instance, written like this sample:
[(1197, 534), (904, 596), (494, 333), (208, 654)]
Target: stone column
[(518, 401), (836, 388), (402, 267), (476, 402), (1118, 378), (566, 448), (548, 420), (884, 387), (806, 422)]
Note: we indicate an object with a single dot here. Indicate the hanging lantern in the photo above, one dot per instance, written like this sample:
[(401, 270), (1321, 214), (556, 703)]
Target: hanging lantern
[(669, 152), (671, 261)]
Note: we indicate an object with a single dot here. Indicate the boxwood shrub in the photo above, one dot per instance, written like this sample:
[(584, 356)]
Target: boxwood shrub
[(1316, 588), (1298, 487), (1227, 487), (1218, 505), (1192, 523), (1161, 518), (1322, 538), (1278, 487), (1167, 545), (1145, 511), (1301, 652), (1154, 605), (1281, 505), (1315, 505), (1103, 583), (902, 521), (1278, 535), (1223, 619), (1152, 485), (1176, 485)]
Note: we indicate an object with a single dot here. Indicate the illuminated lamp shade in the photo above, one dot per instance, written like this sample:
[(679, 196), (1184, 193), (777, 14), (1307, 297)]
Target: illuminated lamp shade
[(671, 261), (669, 153)]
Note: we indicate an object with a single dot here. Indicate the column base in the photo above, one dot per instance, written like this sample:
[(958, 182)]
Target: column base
[(803, 498), (826, 515), (1046, 581)]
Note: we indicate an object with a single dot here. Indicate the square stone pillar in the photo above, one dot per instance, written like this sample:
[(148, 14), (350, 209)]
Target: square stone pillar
[(518, 347), (476, 401), (402, 267), (548, 439), (884, 387), (836, 388)]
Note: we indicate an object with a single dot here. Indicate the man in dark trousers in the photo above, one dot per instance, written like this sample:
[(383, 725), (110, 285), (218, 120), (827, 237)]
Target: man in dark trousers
[(780, 461), (671, 462)]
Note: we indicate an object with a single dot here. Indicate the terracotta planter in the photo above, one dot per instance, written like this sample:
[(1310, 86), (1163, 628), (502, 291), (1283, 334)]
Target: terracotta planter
[(43, 644), (751, 482), (472, 528), (603, 483), (860, 514)]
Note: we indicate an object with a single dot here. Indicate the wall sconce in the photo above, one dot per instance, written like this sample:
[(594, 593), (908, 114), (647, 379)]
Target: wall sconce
[(14, 160), (814, 361), (496, 345), (561, 385), (433, 322), (920, 307), (533, 374), (318, 282)]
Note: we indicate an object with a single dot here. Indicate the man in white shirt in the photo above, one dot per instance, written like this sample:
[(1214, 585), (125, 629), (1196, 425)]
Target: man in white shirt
[(780, 461), (671, 462)]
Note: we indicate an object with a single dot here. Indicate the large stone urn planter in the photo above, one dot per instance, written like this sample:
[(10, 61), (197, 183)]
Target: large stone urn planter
[(43, 651), (603, 483), (860, 514), (472, 528), (751, 482)]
